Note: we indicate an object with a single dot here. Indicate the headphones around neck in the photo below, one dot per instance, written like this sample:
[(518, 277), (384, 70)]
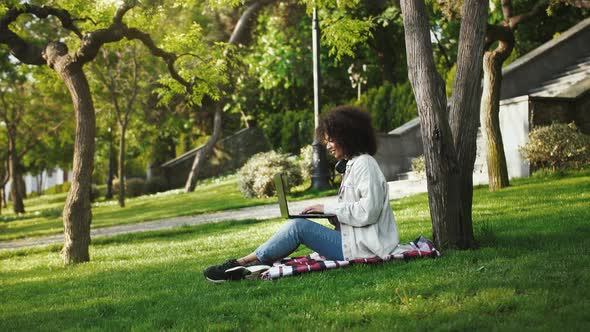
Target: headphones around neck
[(341, 166)]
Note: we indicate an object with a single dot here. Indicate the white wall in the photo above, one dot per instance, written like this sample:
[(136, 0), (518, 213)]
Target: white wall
[(49, 179), (514, 125)]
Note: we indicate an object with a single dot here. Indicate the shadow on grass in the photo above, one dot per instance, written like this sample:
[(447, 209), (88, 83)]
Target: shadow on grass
[(532, 263)]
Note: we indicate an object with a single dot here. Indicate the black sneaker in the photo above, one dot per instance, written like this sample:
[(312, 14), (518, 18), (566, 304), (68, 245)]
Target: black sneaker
[(218, 273)]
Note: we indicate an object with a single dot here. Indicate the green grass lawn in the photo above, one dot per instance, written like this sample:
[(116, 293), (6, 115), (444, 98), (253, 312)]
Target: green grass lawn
[(530, 273), (43, 215)]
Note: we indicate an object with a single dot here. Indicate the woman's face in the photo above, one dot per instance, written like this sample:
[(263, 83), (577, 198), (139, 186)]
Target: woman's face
[(334, 149)]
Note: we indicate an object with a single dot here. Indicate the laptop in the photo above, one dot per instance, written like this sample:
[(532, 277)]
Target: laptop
[(281, 195)]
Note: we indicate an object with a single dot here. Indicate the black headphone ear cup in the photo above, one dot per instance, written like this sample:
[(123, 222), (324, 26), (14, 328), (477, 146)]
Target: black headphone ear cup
[(341, 166)]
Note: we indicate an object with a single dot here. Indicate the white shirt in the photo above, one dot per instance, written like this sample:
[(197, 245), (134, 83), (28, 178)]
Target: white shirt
[(367, 223)]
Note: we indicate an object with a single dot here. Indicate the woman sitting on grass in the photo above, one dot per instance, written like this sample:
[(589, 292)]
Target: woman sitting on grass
[(365, 225)]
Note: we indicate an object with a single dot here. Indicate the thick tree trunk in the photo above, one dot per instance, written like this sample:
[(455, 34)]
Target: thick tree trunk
[(490, 121), (442, 171), (444, 164), (203, 153), (465, 104), (77, 214), (122, 167)]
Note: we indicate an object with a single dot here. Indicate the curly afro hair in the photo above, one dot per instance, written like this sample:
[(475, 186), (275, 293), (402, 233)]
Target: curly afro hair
[(351, 128)]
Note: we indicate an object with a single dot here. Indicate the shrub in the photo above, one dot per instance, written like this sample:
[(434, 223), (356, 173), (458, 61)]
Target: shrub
[(156, 184), (58, 189), (134, 187), (306, 165), (255, 178), (419, 166), (390, 106), (558, 146), (289, 131)]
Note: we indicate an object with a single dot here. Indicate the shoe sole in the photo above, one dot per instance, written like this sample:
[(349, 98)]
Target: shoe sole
[(250, 272), (215, 281), (241, 272)]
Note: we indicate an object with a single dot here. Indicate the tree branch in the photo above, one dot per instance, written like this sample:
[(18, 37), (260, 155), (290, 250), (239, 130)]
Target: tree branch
[(506, 9), (42, 12), (169, 58), (34, 140), (514, 21), (495, 33), (25, 51)]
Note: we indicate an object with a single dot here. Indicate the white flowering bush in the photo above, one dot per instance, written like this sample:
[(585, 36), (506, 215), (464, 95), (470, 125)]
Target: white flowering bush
[(419, 166), (306, 162), (558, 146), (255, 178)]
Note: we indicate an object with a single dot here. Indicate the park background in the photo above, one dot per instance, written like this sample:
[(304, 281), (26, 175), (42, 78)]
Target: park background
[(266, 84)]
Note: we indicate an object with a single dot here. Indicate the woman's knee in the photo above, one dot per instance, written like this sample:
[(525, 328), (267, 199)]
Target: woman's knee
[(299, 224)]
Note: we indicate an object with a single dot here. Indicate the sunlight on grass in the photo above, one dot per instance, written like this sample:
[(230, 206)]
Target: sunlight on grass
[(533, 260), (43, 215)]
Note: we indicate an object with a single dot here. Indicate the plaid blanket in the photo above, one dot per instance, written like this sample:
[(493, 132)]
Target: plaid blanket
[(421, 247)]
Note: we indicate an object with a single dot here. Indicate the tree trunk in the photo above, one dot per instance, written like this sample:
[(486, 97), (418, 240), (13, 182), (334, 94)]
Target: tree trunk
[(465, 104), (16, 190), (442, 172), (240, 35), (490, 118), (77, 214), (109, 193), (204, 152), (451, 229), (1, 198), (121, 172)]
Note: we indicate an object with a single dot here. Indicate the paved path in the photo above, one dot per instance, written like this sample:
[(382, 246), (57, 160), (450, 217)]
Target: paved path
[(397, 189)]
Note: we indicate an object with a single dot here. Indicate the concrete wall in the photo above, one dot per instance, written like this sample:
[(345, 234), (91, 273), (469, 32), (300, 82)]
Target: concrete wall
[(514, 125), (541, 64), (228, 154), (544, 111), (582, 114), (396, 149)]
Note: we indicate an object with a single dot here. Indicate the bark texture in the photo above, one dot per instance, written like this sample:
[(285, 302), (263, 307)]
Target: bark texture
[(447, 148), (77, 214), (490, 115), (16, 185), (503, 34), (465, 108)]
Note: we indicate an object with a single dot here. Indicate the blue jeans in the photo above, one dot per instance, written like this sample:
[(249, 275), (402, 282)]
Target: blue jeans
[(321, 239)]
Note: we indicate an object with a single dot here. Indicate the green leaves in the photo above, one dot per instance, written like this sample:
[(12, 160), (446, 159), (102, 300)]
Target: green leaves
[(198, 63), (343, 33)]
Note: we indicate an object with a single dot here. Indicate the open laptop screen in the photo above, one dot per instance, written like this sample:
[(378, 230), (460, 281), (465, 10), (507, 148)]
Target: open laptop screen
[(282, 197)]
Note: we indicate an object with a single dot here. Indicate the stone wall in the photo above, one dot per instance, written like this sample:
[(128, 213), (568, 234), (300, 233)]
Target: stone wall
[(396, 149), (544, 111), (228, 155), (582, 114)]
